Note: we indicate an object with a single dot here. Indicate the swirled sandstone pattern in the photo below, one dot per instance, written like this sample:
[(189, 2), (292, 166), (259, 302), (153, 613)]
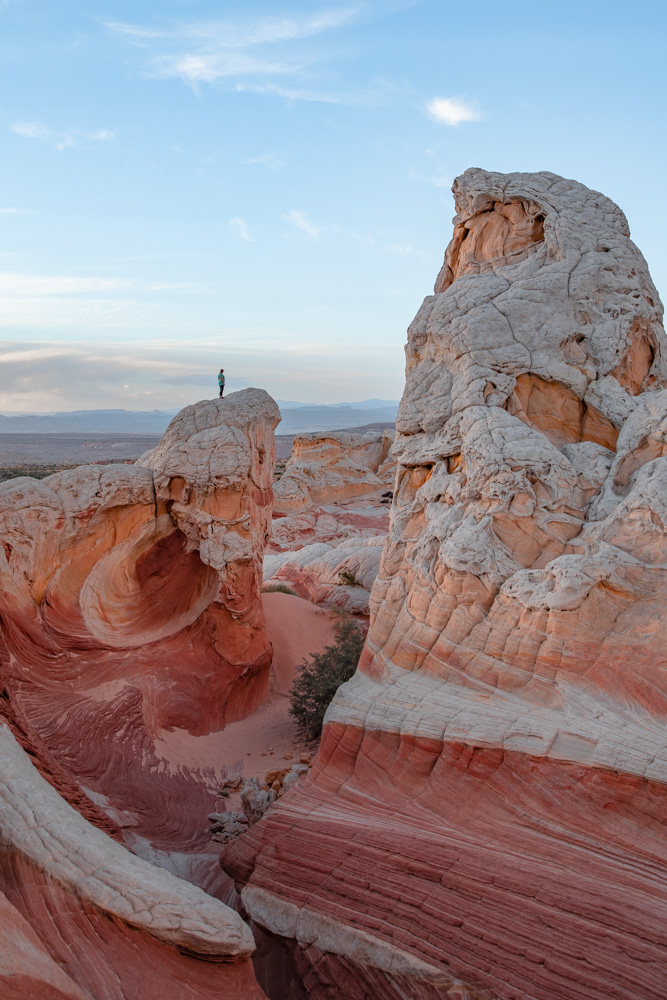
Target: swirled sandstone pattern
[(72, 886), (148, 575), (487, 816), (129, 606)]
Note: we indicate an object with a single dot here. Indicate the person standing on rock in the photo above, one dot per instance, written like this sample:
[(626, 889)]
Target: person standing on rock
[(221, 382)]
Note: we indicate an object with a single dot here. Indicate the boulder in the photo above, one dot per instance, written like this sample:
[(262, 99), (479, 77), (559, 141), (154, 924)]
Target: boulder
[(294, 775), (487, 815), (255, 800)]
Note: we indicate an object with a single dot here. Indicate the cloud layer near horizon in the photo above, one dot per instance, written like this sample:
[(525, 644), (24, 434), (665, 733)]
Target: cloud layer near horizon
[(42, 377)]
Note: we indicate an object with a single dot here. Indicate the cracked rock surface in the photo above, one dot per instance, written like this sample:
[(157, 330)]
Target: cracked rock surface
[(489, 798)]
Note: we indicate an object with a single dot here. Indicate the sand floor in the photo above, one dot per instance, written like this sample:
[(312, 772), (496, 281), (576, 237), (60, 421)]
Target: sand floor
[(267, 739)]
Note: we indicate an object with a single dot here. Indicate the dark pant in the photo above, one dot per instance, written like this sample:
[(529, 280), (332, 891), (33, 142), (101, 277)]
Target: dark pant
[(222, 390)]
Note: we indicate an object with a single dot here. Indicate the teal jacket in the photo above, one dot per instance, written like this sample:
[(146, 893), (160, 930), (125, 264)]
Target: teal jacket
[(221, 379)]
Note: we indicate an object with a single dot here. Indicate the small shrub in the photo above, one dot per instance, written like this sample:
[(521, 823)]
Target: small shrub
[(34, 471), (348, 578), (322, 674), (279, 588)]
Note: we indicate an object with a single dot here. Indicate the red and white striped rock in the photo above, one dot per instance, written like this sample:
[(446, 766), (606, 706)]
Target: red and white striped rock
[(489, 803), (81, 917), (27, 971), (130, 607)]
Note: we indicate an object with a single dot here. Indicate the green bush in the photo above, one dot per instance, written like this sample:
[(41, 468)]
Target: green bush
[(348, 578), (322, 674), (279, 588)]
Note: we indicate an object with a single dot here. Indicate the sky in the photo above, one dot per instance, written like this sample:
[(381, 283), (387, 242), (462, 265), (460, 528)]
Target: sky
[(188, 184)]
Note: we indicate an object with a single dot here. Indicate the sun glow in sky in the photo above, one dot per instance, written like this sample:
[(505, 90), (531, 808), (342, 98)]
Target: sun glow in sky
[(187, 184)]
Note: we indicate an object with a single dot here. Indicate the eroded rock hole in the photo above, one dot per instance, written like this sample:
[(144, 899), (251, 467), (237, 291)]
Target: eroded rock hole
[(555, 411), (136, 596), (635, 365), (170, 577), (497, 236), (178, 489), (410, 479)]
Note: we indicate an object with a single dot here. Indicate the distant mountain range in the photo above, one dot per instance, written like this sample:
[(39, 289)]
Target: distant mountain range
[(366, 404), (297, 418), (89, 422), (302, 419)]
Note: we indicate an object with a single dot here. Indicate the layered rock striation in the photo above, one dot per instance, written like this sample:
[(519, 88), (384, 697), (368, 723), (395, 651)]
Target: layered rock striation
[(335, 465), (331, 517), (487, 816), (82, 917), (148, 575), (129, 608)]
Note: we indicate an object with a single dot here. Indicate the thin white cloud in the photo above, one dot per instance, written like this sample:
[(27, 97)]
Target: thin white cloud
[(34, 130), (207, 67), (214, 51), (267, 161), (136, 30), (452, 111), (315, 96), (15, 211), (16, 284), (299, 221), (241, 34), (239, 226), (61, 140), (69, 312), (62, 301), (45, 375)]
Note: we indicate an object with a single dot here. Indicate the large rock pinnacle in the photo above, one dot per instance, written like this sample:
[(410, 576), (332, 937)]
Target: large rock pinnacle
[(487, 817)]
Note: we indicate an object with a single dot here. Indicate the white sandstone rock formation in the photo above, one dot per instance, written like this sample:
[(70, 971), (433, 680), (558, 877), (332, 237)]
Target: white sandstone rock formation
[(522, 516), (334, 465), (338, 575), (100, 560), (490, 796)]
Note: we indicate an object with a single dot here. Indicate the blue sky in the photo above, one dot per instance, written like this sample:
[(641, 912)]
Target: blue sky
[(265, 186)]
